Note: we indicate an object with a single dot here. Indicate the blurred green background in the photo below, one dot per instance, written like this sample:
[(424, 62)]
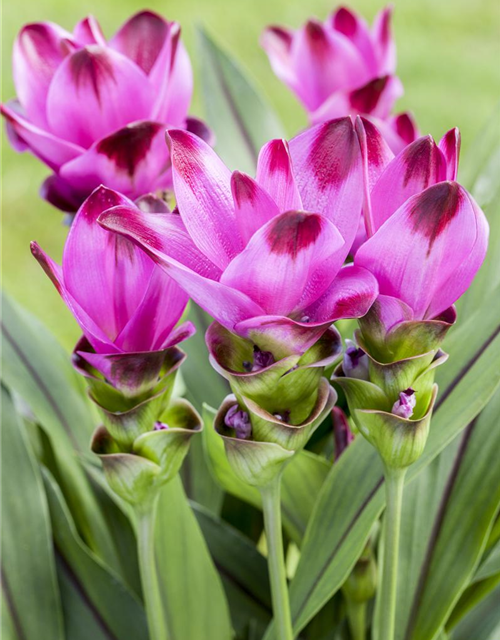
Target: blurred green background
[(448, 60)]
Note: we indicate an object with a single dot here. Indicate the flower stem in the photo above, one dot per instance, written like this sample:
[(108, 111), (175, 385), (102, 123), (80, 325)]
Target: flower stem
[(356, 614), (394, 483), (146, 517), (276, 560)]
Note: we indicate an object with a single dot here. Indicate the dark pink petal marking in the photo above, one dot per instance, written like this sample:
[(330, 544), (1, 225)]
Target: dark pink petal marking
[(293, 233), (365, 99), (406, 127), (328, 167), (422, 158), (345, 22), (317, 38), (91, 66), (127, 147), (433, 211)]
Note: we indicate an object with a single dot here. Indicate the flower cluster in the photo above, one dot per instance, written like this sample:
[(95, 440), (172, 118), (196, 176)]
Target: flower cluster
[(95, 111)]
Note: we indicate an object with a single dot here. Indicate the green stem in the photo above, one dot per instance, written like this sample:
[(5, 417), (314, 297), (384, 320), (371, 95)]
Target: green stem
[(146, 517), (356, 614), (394, 483), (276, 560)]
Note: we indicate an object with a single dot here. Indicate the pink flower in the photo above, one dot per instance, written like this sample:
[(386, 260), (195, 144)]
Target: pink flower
[(427, 237), (263, 256), (95, 111), (122, 301), (341, 67)]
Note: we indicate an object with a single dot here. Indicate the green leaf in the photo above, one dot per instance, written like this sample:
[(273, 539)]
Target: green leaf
[(241, 119), (37, 369), (192, 592), (483, 622), (100, 593), (301, 483), (338, 529), (448, 512), (29, 585), (243, 570)]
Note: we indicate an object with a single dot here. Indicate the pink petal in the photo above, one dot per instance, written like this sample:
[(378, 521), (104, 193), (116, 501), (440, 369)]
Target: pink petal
[(377, 97), (277, 43), (450, 148), (376, 156), (172, 77), (391, 311), (405, 127), (324, 62), (352, 26), (417, 167), (141, 39), (329, 174), (60, 194), (350, 295), (104, 273), (275, 175), (385, 47), (280, 259), (129, 161), (39, 49), (149, 329), (50, 149), (431, 247), (99, 340), (166, 241), (203, 193), (94, 92), (88, 31), (253, 206)]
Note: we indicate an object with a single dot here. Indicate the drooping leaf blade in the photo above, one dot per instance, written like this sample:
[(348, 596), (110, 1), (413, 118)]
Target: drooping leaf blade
[(29, 585), (237, 113)]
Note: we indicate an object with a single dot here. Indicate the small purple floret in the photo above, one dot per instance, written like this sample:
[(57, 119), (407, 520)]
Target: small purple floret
[(239, 420), (262, 359), (355, 363), (160, 426), (406, 403)]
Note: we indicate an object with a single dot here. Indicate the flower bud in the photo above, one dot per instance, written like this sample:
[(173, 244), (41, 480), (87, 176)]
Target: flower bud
[(153, 458)]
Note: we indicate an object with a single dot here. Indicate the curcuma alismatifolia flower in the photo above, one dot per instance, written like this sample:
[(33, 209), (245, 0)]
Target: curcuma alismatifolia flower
[(95, 111), (341, 67), (128, 309), (424, 254), (265, 258)]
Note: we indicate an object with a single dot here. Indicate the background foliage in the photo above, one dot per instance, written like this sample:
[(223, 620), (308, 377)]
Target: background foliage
[(448, 52)]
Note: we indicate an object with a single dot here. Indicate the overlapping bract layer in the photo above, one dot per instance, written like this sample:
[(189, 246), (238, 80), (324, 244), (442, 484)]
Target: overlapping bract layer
[(264, 256), (342, 67), (94, 110)]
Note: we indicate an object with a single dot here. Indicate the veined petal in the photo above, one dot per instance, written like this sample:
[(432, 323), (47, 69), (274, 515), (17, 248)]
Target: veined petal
[(253, 206), (350, 295), (432, 247), (88, 31), (141, 39), (418, 166), (203, 193), (328, 171), (352, 26), (104, 273), (150, 327), (39, 49), (172, 77), (101, 82), (376, 156), (450, 148), (98, 339), (277, 43), (275, 175), (325, 61), (280, 259), (53, 151), (385, 47), (167, 242), (129, 161)]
